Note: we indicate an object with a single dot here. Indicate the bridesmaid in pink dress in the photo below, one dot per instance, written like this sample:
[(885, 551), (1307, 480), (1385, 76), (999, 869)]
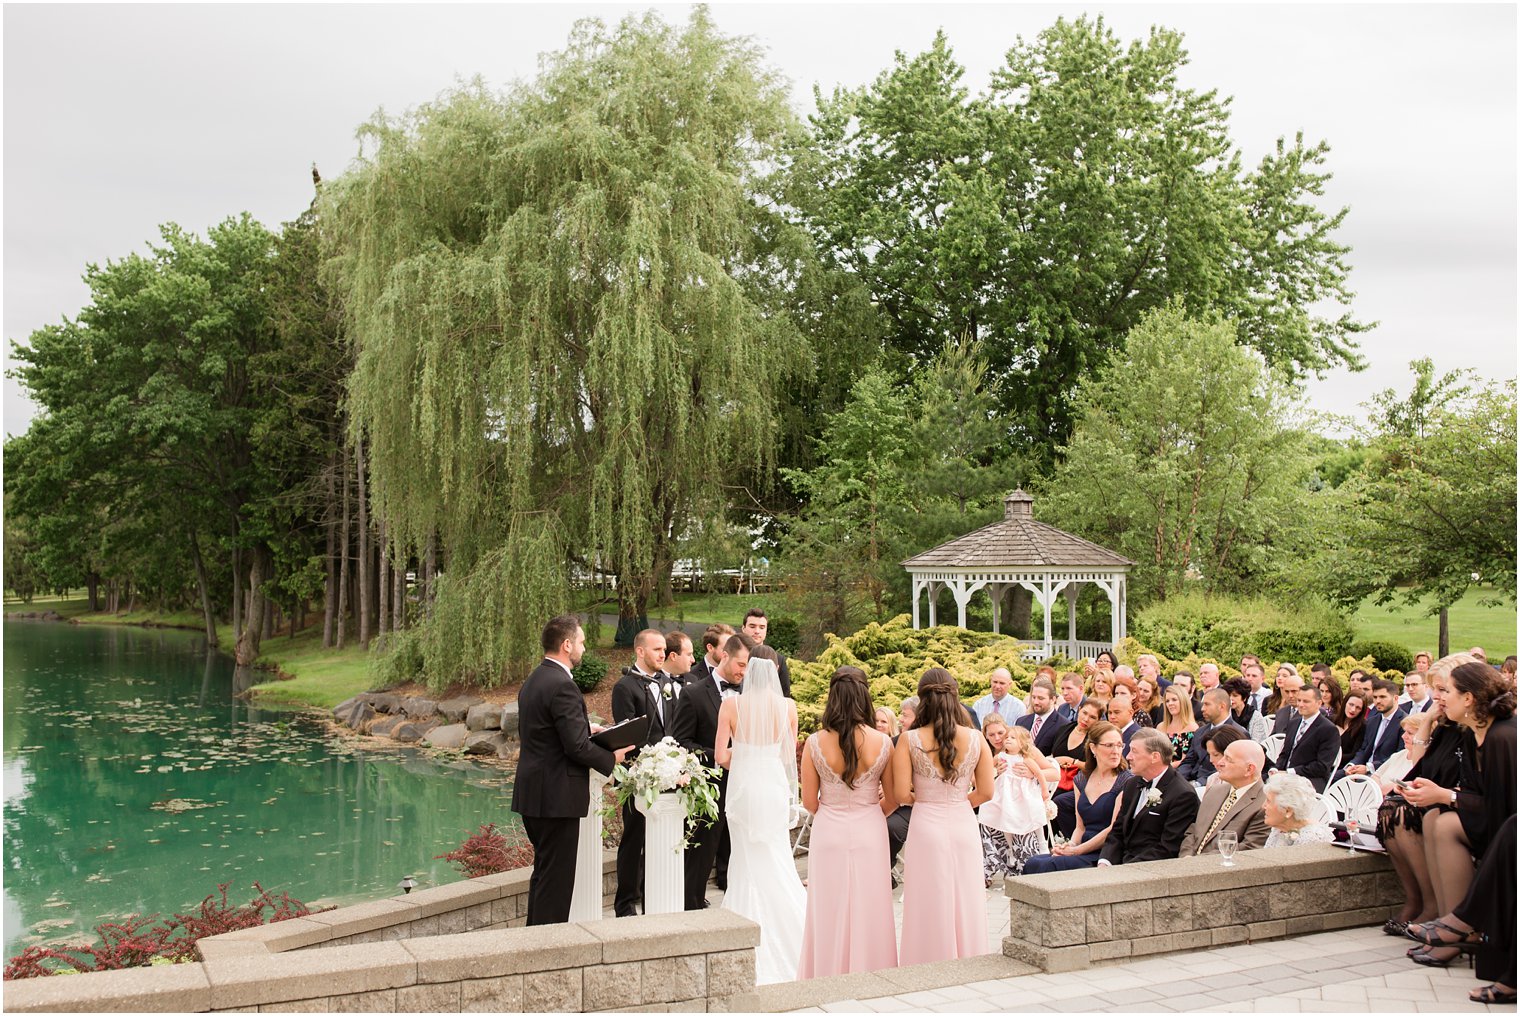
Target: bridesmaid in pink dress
[(939, 768), (847, 785)]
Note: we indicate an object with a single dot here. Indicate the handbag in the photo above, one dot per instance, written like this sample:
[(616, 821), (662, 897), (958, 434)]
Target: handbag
[(1068, 779)]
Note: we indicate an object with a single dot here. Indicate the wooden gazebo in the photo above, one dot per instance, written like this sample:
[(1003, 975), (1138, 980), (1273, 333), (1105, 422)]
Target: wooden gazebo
[(1018, 551)]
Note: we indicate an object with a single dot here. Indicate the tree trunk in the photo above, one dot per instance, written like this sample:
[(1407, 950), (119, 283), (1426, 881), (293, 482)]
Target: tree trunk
[(343, 545), (1443, 640), (200, 580), (330, 587), (1020, 608), (248, 642), (92, 580), (398, 595), (365, 574), (383, 615), (429, 566), (633, 610), (237, 594)]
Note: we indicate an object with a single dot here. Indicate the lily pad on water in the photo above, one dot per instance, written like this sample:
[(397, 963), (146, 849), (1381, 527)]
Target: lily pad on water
[(175, 805)]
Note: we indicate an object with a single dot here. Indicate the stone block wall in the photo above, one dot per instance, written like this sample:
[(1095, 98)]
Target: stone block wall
[(1073, 919), (689, 962)]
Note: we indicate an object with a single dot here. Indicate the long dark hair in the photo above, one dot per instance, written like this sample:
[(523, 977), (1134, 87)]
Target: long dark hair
[(939, 709), (1336, 695), (847, 707), (1355, 724), (1492, 699)]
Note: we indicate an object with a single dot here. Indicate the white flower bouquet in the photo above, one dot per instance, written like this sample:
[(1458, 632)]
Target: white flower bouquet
[(664, 767)]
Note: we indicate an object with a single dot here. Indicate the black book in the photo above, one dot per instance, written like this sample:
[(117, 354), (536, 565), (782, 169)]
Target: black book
[(621, 735)]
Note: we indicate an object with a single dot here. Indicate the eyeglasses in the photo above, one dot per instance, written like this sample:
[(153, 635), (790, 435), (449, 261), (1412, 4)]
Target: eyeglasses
[(1110, 744)]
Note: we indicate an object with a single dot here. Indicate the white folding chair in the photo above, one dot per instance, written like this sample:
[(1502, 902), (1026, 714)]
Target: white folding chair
[(1323, 814), (1354, 797), (1272, 745), (1337, 763)]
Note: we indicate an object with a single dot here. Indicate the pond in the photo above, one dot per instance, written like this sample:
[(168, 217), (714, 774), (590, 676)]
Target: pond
[(135, 782)]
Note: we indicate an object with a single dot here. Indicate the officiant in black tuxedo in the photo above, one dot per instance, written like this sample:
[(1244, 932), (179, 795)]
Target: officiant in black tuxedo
[(696, 728), (1155, 811), (645, 689), (550, 790)]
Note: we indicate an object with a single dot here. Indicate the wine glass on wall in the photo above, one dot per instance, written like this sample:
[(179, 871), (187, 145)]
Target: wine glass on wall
[(1228, 841)]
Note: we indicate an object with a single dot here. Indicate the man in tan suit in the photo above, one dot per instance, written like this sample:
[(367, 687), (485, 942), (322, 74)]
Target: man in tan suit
[(1233, 802)]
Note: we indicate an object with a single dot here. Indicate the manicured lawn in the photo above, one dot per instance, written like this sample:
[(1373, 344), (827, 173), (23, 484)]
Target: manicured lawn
[(704, 607), (320, 677), (1469, 625), (71, 605)]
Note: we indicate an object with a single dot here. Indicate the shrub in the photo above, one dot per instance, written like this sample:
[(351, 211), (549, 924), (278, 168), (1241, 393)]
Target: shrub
[(487, 852), (784, 635), (1389, 655), (136, 941), (1227, 627), (589, 672)]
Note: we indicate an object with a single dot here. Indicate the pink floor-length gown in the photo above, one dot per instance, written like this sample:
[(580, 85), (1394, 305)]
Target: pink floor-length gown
[(944, 897), (850, 926)]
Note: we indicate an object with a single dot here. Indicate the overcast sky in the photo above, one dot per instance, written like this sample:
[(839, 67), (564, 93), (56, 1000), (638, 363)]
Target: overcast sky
[(118, 118)]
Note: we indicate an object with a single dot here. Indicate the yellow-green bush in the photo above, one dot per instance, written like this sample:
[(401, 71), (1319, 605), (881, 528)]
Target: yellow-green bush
[(1129, 650)]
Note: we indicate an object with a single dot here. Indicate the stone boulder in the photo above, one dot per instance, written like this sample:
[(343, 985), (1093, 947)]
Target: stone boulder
[(383, 702), (454, 710), (385, 726), (485, 716), (484, 742), (356, 715), (419, 708), (450, 736), (341, 709), (413, 731), (509, 720)]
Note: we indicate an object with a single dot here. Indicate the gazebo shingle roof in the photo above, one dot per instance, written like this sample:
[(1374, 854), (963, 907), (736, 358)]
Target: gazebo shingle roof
[(1018, 541)]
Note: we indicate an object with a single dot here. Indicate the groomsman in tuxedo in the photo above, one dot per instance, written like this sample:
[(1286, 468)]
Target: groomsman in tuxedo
[(550, 789), (644, 690), (712, 652), (680, 657), (696, 728), (1312, 743), (756, 624), (1234, 802), (1154, 812)]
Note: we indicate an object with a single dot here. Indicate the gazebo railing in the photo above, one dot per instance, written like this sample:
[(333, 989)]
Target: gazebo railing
[(1072, 650)]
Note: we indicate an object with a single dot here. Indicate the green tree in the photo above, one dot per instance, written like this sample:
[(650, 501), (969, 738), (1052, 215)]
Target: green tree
[(565, 331), (1046, 217), (1185, 459), (1432, 511)]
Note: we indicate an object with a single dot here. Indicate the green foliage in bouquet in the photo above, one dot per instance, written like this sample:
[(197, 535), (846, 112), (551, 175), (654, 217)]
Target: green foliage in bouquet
[(663, 767)]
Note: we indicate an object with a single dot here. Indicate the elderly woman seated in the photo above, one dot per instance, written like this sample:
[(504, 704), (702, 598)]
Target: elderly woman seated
[(1289, 810)]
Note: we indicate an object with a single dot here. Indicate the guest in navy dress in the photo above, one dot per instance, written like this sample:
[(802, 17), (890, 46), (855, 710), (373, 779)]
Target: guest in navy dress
[(1097, 795)]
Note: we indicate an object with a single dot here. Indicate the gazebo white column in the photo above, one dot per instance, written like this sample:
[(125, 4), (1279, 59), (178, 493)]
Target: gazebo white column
[(1045, 602), (995, 591), (918, 588), (962, 591), (1073, 590), (934, 588)]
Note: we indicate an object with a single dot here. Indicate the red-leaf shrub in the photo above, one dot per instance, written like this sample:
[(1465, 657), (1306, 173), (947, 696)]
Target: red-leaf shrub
[(488, 852), (136, 941)]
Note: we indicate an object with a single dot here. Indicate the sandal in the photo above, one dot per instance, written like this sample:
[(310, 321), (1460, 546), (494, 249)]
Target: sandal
[(1490, 994), (1430, 934), (1395, 927)]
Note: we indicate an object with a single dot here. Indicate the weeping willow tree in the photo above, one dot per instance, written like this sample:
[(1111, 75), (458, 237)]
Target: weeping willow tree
[(567, 303)]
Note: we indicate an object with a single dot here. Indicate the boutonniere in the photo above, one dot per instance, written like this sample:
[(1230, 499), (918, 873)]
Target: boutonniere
[(1153, 798), (668, 690)]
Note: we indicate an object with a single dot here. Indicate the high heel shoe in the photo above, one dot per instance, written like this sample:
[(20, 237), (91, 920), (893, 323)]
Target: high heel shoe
[(1430, 959), (1395, 927), (1430, 934)]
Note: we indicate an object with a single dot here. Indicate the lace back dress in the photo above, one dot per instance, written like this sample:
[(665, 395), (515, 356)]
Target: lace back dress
[(850, 925), (944, 901)]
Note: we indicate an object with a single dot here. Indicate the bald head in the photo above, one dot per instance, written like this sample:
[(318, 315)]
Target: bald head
[(1241, 764)]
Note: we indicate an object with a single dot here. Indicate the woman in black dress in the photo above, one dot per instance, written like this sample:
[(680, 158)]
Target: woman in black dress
[(1351, 720), (1477, 697)]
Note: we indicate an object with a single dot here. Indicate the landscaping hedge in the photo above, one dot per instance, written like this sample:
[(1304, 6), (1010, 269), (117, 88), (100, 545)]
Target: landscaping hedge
[(1228, 627)]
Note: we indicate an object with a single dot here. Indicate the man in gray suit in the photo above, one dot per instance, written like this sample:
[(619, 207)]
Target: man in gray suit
[(1232, 803)]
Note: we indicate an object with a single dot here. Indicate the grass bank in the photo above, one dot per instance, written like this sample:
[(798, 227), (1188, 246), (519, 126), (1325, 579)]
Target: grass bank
[(1469, 625)]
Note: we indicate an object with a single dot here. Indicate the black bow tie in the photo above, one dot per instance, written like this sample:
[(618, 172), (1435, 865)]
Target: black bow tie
[(737, 689)]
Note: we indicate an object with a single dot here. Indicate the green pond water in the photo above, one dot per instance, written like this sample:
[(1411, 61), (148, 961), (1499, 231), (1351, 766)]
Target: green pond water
[(135, 782)]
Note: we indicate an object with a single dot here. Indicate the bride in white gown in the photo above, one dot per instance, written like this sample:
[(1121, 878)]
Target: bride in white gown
[(763, 884)]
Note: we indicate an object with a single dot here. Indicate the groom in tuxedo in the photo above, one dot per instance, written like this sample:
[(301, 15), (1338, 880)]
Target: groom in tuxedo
[(696, 728), (645, 689), (1155, 810)]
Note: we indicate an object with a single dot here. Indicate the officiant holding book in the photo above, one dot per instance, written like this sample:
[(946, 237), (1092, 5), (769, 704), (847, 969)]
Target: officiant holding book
[(645, 689), (551, 790)]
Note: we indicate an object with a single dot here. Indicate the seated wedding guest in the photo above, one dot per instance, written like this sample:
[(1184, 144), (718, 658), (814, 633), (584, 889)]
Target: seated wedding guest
[(1215, 745), (1148, 700), (1121, 713), (1243, 710), (1154, 810), (1233, 803), (1013, 822), (1097, 793), (1352, 722), (1415, 695), (1041, 720), (1444, 753), (1071, 696), (1508, 670), (1330, 696), (1106, 662), (1289, 810), (1484, 922), (1177, 723), (1382, 732), (999, 700), (1312, 743), (1284, 695), (994, 847), (1070, 756), (1102, 688), (907, 712), (847, 786), (886, 721), (1477, 697), (1197, 767), (1184, 679), (1399, 763)]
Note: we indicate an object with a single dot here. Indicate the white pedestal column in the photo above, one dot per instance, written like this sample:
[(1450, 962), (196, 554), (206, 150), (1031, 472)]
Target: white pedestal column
[(664, 860), (586, 903)]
